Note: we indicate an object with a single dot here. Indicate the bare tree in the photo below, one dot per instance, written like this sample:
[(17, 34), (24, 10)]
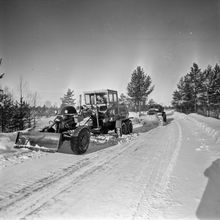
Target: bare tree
[(32, 101)]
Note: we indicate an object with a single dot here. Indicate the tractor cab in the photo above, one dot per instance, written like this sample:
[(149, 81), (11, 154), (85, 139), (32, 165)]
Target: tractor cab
[(102, 99)]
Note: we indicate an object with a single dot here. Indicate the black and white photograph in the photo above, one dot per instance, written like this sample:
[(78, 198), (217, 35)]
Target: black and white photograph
[(110, 109)]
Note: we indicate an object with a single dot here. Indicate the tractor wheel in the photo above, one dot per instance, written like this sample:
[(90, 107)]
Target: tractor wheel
[(129, 126), (104, 130), (164, 117), (80, 143), (124, 128)]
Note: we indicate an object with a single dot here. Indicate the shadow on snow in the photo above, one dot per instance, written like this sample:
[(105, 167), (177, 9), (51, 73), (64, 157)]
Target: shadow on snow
[(209, 207)]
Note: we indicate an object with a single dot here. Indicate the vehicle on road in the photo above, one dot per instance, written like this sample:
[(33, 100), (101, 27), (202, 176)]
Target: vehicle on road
[(158, 110)]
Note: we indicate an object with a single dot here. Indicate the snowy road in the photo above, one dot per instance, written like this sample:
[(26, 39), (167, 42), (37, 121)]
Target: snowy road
[(157, 174)]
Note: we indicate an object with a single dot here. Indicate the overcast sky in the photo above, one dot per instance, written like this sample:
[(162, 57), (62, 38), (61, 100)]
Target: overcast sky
[(92, 44)]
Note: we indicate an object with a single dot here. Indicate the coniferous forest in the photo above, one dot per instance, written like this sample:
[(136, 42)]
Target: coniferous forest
[(199, 91)]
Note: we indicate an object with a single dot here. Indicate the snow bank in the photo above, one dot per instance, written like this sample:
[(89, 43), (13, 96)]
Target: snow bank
[(134, 114), (6, 142), (210, 125), (9, 155)]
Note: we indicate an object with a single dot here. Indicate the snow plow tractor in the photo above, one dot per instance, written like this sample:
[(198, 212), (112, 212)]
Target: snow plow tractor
[(101, 113), (158, 110)]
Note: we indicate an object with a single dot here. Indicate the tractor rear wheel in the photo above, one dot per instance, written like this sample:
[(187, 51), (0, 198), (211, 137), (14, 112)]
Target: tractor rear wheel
[(164, 117), (124, 128), (129, 126), (80, 143)]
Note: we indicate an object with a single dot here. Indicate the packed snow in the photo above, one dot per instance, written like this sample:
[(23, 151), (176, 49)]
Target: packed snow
[(161, 171)]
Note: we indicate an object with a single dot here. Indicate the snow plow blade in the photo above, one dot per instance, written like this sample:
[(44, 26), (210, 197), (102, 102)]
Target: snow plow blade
[(44, 141)]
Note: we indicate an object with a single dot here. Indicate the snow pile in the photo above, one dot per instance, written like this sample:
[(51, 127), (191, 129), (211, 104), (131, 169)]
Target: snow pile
[(103, 138), (134, 114), (6, 142), (111, 139), (9, 155), (210, 125)]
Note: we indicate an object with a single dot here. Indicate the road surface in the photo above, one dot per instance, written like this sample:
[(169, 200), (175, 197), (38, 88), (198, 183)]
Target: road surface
[(155, 174)]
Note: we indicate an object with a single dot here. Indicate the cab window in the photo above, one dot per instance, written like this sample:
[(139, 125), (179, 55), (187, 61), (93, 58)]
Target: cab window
[(89, 99), (111, 98), (115, 97)]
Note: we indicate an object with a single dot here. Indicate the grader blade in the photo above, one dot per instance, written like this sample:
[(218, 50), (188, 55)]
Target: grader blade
[(43, 141)]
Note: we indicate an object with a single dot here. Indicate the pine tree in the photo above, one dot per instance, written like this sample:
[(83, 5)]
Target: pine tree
[(179, 95), (194, 79), (176, 102), (216, 84), (183, 99), (216, 87), (206, 93), (68, 98), (140, 86), (199, 91), (6, 111)]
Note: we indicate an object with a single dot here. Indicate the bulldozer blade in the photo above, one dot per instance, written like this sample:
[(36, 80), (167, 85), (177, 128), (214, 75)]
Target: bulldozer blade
[(44, 141)]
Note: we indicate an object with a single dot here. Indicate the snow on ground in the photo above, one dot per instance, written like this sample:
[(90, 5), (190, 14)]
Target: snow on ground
[(169, 172), (193, 189), (11, 156), (210, 125), (99, 181)]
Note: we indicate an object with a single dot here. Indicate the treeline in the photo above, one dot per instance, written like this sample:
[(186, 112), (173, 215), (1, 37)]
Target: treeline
[(199, 91), (19, 115), (14, 115)]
